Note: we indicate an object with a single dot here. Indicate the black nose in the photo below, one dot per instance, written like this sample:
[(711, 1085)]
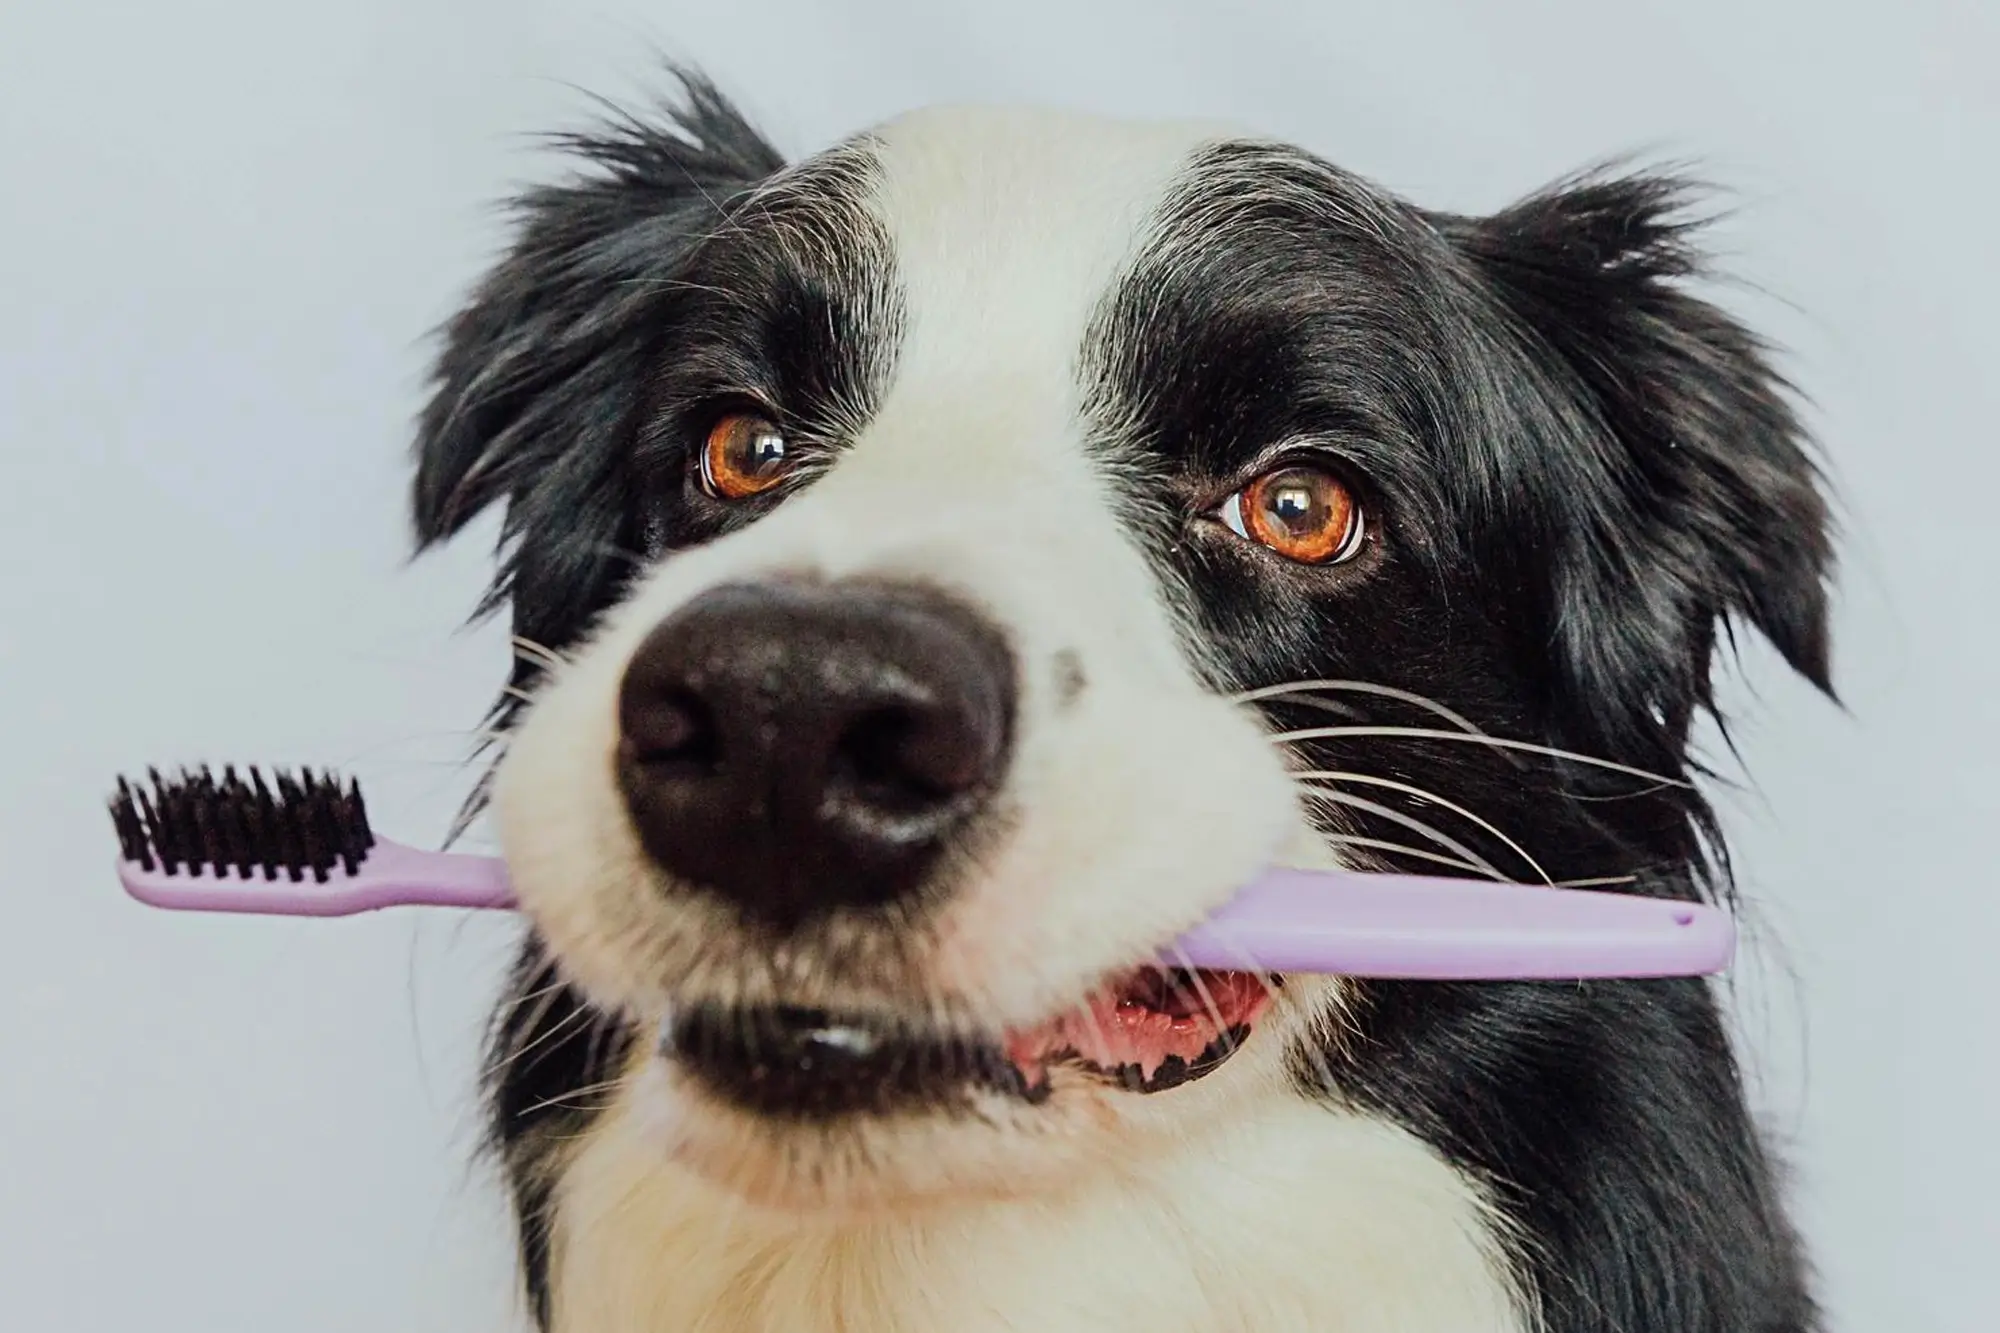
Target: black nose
[(801, 747)]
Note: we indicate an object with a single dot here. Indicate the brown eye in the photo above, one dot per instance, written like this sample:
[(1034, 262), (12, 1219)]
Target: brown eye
[(745, 454), (1305, 514)]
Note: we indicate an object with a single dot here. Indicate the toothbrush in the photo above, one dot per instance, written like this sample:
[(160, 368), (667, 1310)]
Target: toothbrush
[(303, 846)]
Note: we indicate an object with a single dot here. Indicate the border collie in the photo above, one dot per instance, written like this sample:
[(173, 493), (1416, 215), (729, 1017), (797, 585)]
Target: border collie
[(946, 567)]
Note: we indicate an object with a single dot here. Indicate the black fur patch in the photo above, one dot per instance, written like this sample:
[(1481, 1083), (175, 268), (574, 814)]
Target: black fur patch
[(1575, 472)]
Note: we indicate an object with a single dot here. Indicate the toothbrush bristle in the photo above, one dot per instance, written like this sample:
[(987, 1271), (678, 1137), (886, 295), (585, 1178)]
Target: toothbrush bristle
[(294, 825)]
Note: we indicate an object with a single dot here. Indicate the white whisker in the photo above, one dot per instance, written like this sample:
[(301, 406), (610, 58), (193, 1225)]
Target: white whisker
[(1085, 1012), (1424, 702), (1418, 826), (564, 1098), (1329, 706), (1430, 734), (1380, 845), (1201, 988), (1658, 785), (1599, 882), (567, 1021), (1400, 849), (531, 996), (1336, 775), (1208, 1003), (538, 653), (547, 997)]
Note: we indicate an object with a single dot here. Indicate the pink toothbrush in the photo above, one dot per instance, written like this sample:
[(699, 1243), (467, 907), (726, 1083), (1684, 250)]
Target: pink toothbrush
[(303, 847)]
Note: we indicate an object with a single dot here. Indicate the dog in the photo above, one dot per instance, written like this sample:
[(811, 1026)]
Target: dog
[(945, 568)]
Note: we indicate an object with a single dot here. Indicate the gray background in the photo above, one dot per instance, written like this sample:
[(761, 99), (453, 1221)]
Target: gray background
[(224, 229)]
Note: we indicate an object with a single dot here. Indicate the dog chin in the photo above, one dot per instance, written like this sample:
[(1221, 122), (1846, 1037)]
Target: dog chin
[(821, 1113), (860, 1167)]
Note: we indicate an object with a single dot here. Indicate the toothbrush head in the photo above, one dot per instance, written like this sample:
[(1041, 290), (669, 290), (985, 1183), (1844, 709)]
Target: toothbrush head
[(295, 824)]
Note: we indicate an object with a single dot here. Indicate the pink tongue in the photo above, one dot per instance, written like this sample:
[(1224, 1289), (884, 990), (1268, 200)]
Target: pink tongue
[(1111, 1032)]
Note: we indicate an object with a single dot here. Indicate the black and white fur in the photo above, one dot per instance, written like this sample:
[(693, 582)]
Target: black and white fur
[(1029, 354)]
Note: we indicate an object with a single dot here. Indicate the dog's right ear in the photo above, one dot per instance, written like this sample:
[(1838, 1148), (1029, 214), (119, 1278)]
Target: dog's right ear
[(548, 357)]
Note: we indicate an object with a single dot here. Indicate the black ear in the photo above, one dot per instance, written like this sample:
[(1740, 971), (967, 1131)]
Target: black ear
[(541, 371), (1702, 505)]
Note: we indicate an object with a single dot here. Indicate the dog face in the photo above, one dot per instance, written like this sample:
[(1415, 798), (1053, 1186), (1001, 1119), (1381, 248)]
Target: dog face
[(954, 564), (897, 754)]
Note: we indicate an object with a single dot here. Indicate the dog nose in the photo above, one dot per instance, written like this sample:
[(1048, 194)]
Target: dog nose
[(801, 747)]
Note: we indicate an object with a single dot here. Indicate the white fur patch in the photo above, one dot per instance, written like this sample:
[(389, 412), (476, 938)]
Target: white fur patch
[(1291, 1219)]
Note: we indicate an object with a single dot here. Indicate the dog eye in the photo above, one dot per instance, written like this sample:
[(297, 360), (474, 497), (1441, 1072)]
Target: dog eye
[(744, 455), (1305, 514)]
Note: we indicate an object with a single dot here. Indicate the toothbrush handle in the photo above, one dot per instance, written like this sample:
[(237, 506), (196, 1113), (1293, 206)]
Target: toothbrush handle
[(403, 875), (392, 875), (1418, 928)]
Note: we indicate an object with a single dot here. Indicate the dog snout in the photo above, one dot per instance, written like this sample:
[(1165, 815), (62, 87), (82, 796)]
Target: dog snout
[(801, 747)]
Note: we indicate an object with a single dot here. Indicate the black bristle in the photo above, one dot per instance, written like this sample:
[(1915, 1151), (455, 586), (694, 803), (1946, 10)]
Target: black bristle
[(324, 847), (132, 841), (264, 825), (355, 837), (163, 822), (293, 849), (201, 814), (194, 822), (229, 822), (320, 821)]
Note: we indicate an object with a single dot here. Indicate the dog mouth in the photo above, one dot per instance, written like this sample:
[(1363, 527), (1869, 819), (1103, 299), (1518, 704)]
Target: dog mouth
[(1149, 1031), (1156, 1029)]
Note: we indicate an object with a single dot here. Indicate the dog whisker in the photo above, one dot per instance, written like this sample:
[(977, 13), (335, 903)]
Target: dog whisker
[(1334, 706), (1584, 798), (1409, 822), (1208, 1004), (608, 1027), (1408, 789), (1499, 742), (539, 653), (1410, 697), (521, 1042), (1086, 1012), (567, 1022), (520, 1036), (564, 1099), (519, 1001), (1400, 849)]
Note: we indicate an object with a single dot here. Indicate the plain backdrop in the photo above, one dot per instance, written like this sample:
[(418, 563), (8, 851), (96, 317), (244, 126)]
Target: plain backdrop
[(225, 229)]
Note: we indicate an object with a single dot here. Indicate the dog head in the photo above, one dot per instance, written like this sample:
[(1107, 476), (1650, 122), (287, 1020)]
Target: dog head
[(948, 567)]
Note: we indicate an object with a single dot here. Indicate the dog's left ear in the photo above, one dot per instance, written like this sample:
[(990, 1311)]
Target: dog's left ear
[(1696, 502)]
